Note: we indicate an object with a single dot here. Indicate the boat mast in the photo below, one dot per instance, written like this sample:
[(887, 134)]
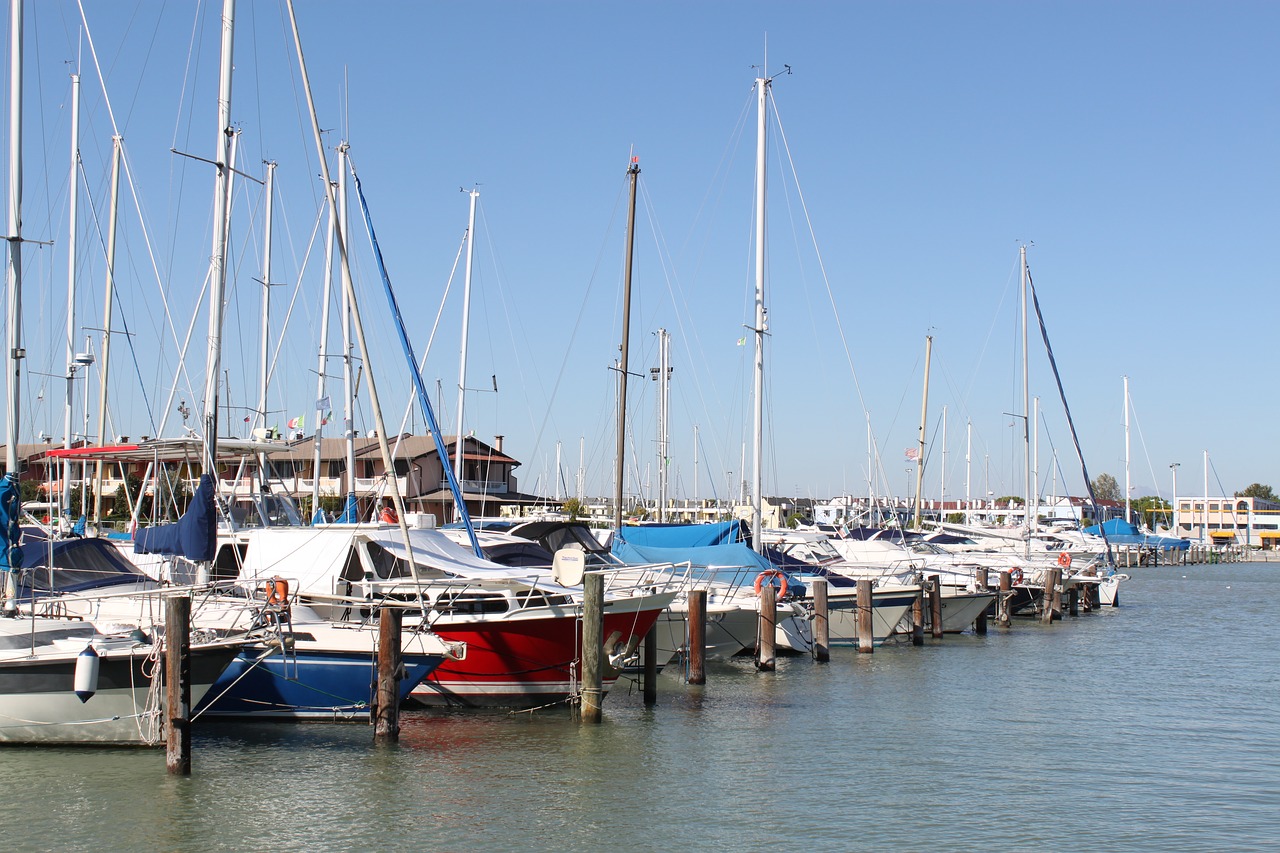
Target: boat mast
[(633, 174), (1127, 516), (662, 374), (322, 398), (1026, 408), (12, 501), (459, 448), (761, 318), (349, 515), (924, 412), (217, 263), (265, 342), (104, 366), (73, 200)]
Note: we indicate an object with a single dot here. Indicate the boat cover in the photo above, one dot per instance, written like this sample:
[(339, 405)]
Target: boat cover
[(1121, 532), (682, 535), (193, 536)]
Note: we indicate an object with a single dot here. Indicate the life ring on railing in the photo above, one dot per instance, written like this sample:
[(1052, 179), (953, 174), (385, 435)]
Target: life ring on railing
[(388, 515), (772, 573), (277, 590), (1015, 577), (1064, 560)]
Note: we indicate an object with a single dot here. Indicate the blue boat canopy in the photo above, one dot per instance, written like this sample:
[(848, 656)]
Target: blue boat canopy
[(1121, 532)]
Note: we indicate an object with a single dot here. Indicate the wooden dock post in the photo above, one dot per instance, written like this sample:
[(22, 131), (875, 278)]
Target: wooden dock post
[(980, 581), (592, 647), (1002, 602), (1049, 600), (766, 659), (821, 622), (935, 605), (651, 665), (1073, 600), (866, 638), (696, 648), (177, 684), (917, 615), (386, 705)]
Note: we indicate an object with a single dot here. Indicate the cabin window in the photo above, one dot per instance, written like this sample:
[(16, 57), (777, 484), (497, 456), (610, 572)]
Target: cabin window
[(228, 561)]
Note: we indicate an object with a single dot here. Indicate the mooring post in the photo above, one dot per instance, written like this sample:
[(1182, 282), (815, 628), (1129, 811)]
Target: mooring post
[(1002, 603), (1073, 600), (821, 622), (866, 638), (386, 705), (1047, 596), (651, 665), (980, 581), (1057, 593), (766, 659), (177, 683), (696, 648), (917, 614), (935, 605), (592, 647)]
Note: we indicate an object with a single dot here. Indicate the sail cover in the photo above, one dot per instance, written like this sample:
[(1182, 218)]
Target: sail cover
[(10, 512), (193, 536)]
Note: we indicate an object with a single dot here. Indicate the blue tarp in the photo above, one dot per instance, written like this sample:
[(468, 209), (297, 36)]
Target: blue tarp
[(683, 535), (78, 565), (731, 562), (10, 532), (193, 536), (1121, 532)]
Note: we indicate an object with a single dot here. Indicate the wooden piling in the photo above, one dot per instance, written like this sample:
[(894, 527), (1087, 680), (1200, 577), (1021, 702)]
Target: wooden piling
[(1002, 601), (592, 647), (1049, 600), (935, 605), (177, 684), (865, 629), (1073, 600), (651, 665), (766, 659), (917, 615), (386, 704), (821, 622), (696, 648), (980, 581)]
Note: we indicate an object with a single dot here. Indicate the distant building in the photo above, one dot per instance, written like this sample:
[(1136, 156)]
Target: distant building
[(1226, 521)]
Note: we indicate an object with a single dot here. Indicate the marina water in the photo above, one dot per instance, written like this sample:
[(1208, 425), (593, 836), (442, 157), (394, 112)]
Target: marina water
[(1153, 726)]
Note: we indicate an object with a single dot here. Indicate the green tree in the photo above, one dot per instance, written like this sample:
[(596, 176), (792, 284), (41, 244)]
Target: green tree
[(1257, 490), (574, 508), (1105, 488), (1153, 510)]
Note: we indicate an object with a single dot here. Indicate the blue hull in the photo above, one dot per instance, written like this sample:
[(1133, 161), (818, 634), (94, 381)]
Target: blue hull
[(304, 686)]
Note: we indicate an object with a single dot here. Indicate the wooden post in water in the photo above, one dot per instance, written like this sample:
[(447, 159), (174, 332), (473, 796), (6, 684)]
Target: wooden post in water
[(866, 638), (980, 581), (821, 622), (1057, 594), (766, 660), (592, 647), (935, 605), (177, 684), (386, 704), (651, 665), (1049, 595), (917, 615), (1002, 602), (1073, 600), (696, 648)]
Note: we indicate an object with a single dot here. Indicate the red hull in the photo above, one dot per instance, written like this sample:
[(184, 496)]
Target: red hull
[(520, 662)]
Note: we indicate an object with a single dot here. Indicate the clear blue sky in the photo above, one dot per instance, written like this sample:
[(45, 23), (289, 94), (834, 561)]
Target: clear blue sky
[(1133, 144)]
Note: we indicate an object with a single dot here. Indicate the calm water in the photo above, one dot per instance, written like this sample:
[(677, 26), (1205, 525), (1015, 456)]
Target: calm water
[(1155, 726)]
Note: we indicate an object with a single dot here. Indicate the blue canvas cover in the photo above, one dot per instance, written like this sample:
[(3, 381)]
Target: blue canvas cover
[(1121, 532), (193, 536), (78, 565), (10, 513), (683, 535), (732, 562)]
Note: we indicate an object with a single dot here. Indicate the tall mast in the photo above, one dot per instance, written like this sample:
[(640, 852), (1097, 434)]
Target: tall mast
[(217, 263), (349, 513), (619, 467), (1127, 516), (321, 370), (1026, 406), (924, 413), (12, 501), (265, 339), (762, 99), (73, 189), (104, 367), (1035, 470), (663, 375), (459, 444)]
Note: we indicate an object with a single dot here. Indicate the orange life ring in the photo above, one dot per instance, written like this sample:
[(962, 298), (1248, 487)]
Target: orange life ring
[(1064, 560), (772, 573), (389, 515), (277, 590), (1015, 576)]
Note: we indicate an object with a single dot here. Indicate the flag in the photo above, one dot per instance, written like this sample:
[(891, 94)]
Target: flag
[(326, 417), (323, 404), (296, 423), (742, 342), (913, 453), (246, 418)]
